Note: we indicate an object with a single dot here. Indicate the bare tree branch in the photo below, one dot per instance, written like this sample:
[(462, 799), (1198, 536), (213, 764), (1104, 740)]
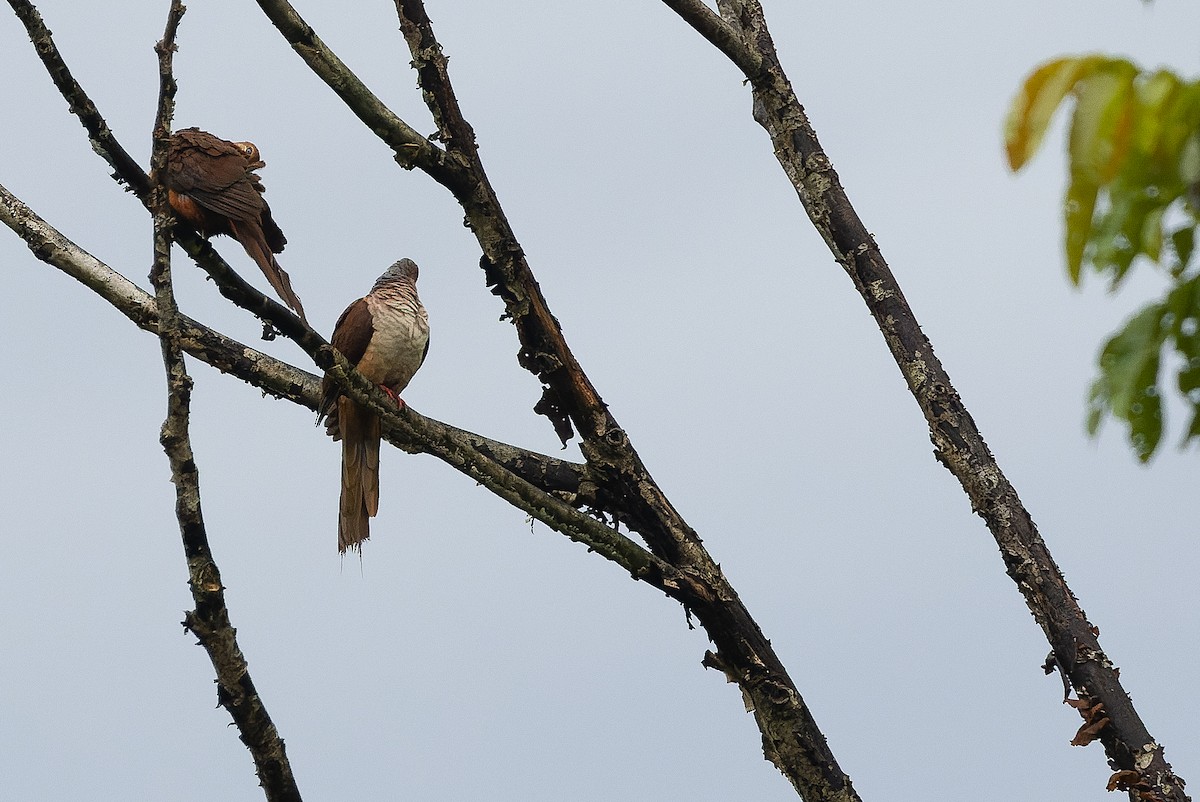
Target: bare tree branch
[(446, 442), (791, 738), (101, 137), (614, 480), (228, 355), (567, 480), (790, 735), (725, 37), (959, 446), (411, 149), (209, 622), (558, 475)]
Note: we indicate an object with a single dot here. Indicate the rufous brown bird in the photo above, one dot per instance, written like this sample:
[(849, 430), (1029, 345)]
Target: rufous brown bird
[(212, 185), (386, 336)]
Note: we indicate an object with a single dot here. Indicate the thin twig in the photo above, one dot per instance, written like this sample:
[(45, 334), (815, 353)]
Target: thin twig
[(101, 137), (209, 622)]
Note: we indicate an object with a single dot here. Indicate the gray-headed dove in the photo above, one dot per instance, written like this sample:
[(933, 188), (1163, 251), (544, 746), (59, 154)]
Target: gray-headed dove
[(386, 336)]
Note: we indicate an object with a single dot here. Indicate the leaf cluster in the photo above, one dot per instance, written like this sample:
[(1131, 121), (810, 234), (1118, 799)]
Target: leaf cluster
[(1133, 192)]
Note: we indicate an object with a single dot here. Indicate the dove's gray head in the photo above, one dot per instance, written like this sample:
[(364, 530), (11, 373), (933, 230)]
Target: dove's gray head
[(404, 270)]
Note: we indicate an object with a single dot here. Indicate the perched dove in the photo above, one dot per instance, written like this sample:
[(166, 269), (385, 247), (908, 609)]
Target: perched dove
[(212, 185), (386, 336)]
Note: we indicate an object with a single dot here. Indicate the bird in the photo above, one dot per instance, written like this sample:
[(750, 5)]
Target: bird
[(212, 185), (385, 335)]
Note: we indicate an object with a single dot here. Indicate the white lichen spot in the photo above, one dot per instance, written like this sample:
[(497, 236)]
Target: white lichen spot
[(1146, 757), (878, 290), (817, 184), (915, 369), (990, 477)]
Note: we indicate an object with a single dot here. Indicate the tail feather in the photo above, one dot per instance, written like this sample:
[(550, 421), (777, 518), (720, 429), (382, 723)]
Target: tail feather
[(360, 473), (253, 240)]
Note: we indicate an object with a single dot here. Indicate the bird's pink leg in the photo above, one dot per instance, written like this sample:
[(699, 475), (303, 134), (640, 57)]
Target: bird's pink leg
[(392, 395)]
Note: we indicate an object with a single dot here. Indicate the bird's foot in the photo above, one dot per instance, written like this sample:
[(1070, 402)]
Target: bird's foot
[(392, 395)]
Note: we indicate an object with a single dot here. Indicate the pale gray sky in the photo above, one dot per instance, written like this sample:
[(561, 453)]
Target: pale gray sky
[(470, 657)]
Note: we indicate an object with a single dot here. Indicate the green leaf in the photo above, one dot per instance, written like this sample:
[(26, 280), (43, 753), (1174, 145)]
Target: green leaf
[(1152, 232), (1179, 124), (1116, 233), (1184, 302), (1134, 186), (1077, 217), (1038, 98), (1102, 126), (1189, 168), (1128, 381), (1157, 96), (1183, 240)]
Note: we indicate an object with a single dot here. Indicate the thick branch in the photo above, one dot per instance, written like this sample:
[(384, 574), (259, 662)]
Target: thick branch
[(544, 351), (791, 737), (958, 442)]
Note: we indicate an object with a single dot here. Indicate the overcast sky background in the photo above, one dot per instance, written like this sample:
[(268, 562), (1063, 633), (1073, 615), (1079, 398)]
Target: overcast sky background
[(470, 657)]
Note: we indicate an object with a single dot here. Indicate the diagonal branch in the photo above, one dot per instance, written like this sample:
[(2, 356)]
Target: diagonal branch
[(958, 443), (101, 137), (725, 37), (544, 351), (790, 735), (569, 394), (225, 354), (567, 480), (469, 453), (549, 509), (791, 738), (411, 149)]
